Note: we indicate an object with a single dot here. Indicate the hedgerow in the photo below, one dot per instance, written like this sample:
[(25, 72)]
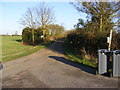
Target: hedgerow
[(86, 43)]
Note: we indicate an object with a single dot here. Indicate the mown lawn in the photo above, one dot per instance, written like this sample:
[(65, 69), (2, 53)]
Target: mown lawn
[(12, 48)]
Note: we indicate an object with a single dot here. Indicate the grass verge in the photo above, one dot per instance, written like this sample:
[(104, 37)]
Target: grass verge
[(86, 62), (71, 56)]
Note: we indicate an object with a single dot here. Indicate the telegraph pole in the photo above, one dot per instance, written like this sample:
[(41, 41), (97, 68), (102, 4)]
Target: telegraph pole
[(110, 40)]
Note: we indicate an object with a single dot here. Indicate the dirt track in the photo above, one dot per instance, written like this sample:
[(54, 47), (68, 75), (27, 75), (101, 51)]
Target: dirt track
[(48, 68)]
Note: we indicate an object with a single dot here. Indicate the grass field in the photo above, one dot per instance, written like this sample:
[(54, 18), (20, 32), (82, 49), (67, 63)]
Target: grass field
[(12, 48)]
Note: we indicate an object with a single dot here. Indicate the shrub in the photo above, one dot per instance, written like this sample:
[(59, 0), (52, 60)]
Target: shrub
[(116, 41), (38, 34), (27, 36), (55, 31), (87, 43)]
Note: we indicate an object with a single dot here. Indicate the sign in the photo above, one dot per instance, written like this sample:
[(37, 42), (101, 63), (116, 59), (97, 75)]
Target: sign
[(108, 39), (42, 36)]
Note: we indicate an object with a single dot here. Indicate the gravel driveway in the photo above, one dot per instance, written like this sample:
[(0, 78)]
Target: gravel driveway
[(49, 68)]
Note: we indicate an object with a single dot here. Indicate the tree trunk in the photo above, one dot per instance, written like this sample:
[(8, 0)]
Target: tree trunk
[(33, 40)]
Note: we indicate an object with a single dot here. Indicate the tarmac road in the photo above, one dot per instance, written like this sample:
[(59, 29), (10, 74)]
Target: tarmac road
[(49, 68)]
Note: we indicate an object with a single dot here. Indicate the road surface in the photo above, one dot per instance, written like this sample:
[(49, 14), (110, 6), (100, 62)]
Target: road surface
[(49, 68)]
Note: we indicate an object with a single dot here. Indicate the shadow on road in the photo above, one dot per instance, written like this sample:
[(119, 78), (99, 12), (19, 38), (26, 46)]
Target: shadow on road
[(58, 47), (80, 66)]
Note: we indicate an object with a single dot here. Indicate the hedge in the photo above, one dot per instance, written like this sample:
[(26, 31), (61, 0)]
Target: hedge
[(27, 36), (86, 42), (90, 42)]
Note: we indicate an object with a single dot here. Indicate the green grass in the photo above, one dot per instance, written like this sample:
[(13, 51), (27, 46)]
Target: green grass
[(71, 56), (12, 48), (87, 62)]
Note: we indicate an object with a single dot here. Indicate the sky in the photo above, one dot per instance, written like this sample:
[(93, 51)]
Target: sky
[(11, 12)]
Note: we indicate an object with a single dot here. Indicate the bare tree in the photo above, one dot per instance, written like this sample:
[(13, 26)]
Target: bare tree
[(28, 19), (45, 15), (38, 16)]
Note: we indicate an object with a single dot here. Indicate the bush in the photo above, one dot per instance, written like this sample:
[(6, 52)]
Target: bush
[(116, 41), (55, 31), (27, 36), (86, 44)]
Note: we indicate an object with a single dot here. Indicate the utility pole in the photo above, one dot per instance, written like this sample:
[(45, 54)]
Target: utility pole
[(110, 40)]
